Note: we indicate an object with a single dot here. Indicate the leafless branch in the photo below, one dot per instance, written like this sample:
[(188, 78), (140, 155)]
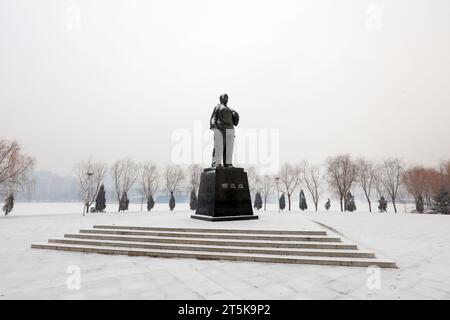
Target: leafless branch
[(366, 176), (15, 167), (149, 180), (289, 179), (124, 173), (90, 176), (174, 178), (341, 173), (267, 187), (391, 177), (194, 172), (313, 181)]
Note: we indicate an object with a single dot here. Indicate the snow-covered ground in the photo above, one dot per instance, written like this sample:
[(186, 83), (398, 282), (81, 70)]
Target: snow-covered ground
[(420, 244)]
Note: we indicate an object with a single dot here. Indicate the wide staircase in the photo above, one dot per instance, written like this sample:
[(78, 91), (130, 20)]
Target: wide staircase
[(270, 246)]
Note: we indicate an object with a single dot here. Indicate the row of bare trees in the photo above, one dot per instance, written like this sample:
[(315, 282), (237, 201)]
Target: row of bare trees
[(288, 179), (126, 173), (341, 173)]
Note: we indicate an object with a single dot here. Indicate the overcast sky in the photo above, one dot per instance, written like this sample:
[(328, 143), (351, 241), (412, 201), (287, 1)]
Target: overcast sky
[(113, 79)]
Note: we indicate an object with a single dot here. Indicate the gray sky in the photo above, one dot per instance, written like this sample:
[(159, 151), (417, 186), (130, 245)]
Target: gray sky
[(366, 77)]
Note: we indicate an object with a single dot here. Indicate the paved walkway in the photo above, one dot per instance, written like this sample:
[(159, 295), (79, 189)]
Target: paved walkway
[(421, 250)]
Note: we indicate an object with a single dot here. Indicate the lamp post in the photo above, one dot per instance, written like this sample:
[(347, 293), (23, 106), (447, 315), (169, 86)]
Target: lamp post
[(278, 192)]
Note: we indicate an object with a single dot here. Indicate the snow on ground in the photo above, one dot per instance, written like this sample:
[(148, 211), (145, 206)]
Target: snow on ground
[(420, 244)]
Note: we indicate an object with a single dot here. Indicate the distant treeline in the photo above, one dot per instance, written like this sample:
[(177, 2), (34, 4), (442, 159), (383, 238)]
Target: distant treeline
[(386, 181), (52, 187)]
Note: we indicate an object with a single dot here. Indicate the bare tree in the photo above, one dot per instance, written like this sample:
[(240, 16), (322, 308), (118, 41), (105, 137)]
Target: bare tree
[(267, 186), (174, 180), (425, 182), (445, 172), (366, 175), (391, 177), (124, 173), (149, 182), (254, 182), (90, 175), (341, 173), (433, 182), (289, 179), (15, 167), (378, 185), (402, 196), (313, 180), (195, 172), (415, 181)]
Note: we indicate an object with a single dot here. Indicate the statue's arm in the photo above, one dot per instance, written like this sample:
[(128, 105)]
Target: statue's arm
[(235, 118), (213, 120)]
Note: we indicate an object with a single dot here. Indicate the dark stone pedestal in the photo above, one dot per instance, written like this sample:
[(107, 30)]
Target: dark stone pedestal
[(224, 195)]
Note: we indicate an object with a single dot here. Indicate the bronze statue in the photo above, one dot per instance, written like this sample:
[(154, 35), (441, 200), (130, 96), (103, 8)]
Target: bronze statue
[(224, 193), (223, 120)]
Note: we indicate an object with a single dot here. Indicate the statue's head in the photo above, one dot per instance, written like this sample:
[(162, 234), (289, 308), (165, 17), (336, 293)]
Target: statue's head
[(224, 99)]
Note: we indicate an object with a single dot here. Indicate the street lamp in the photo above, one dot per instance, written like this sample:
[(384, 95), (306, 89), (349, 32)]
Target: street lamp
[(278, 192)]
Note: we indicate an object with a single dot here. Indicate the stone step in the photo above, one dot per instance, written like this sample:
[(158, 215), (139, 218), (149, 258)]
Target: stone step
[(234, 249), (213, 235), (204, 230), (329, 261), (228, 242)]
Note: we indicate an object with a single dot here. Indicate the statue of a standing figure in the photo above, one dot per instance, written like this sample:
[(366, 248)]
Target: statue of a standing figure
[(223, 120), (223, 193)]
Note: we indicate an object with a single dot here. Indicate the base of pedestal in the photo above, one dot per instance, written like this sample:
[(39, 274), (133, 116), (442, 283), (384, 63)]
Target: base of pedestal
[(224, 218), (224, 195)]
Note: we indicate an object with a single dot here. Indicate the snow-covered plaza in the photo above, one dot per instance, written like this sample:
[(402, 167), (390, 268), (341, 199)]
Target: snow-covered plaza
[(419, 244)]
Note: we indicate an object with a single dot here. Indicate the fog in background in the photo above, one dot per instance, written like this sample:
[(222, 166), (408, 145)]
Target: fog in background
[(113, 79)]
